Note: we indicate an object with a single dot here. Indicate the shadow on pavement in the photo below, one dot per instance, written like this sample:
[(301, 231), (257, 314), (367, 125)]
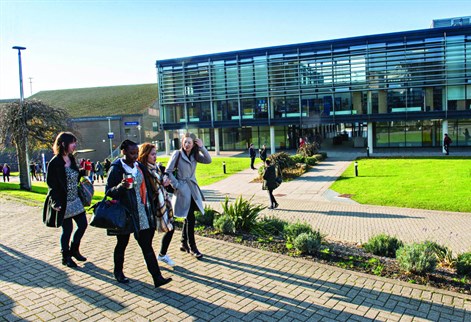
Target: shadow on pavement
[(27, 271), (365, 297)]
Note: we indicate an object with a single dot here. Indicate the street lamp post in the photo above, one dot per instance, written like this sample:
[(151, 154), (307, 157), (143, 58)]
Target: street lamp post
[(139, 127), (110, 136), (22, 146), (19, 48)]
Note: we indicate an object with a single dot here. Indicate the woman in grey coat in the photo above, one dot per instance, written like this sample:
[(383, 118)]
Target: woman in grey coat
[(187, 197)]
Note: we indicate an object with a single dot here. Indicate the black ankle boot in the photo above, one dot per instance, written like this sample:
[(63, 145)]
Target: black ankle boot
[(74, 252), (118, 269), (195, 252), (67, 259), (160, 280), (120, 277), (184, 247)]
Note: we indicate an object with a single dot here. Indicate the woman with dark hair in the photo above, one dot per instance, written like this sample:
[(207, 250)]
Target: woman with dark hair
[(187, 197), (162, 203), (269, 182), (62, 180), (128, 183)]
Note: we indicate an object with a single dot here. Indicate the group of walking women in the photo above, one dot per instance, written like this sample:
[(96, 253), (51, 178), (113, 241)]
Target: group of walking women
[(145, 198)]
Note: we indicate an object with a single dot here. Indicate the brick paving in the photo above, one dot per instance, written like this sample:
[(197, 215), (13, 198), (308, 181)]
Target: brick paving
[(232, 282)]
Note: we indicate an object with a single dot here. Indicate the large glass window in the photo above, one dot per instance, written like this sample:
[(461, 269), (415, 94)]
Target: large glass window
[(173, 113), (226, 110), (198, 112), (413, 131), (342, 103), (397, 137), (382, 134), (311, 106)]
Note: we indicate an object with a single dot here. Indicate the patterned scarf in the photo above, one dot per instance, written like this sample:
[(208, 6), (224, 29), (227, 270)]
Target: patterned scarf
[(161, 198)]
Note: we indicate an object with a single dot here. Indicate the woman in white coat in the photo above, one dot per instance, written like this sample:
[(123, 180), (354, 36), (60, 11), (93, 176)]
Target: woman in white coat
[(187, 197)]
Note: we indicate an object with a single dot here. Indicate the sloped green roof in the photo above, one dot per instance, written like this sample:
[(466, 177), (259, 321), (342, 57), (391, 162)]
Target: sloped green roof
[(102, 101)]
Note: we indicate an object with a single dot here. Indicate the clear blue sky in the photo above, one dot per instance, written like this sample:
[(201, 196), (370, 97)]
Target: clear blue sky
[(74, 44)]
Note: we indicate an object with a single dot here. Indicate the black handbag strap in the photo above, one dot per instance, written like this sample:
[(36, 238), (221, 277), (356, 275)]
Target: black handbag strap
[(178, 158)]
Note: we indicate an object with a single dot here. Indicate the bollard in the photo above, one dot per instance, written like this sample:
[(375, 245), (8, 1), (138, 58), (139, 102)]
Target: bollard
[(224, 167), (356, 169), (368, 151)]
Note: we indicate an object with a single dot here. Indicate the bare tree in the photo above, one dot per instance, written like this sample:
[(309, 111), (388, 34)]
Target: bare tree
[(28, 126)]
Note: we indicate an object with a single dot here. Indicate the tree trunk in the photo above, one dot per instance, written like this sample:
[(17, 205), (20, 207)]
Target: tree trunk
[(23, 163)]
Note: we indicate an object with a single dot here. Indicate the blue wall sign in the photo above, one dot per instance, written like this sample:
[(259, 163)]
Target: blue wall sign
[(131, 123)]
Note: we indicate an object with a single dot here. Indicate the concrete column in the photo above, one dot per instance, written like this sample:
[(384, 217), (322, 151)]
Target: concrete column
[(272, 139), (216, 141), (444, 130), (370, 137), (167, 142), (369, 103)]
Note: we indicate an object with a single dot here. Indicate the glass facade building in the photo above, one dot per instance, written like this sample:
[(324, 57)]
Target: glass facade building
[(409, 87)]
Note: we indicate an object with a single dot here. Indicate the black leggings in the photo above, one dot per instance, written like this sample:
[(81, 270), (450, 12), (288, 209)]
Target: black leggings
[(272, 197), (144, 240), (81, 221), (188, 232), (166, 239)]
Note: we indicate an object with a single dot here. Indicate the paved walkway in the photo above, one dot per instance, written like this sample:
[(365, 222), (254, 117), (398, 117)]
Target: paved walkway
[(309, 199), (232, 282)]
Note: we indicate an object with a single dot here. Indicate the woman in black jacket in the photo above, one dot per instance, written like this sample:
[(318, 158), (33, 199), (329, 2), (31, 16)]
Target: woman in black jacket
[(62, 180), (134, 194), (269, 182)]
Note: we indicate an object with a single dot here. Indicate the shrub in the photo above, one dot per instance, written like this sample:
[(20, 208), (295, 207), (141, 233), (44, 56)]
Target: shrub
[(271, 226), (383, 245), (224, 224), (291, 231), (308, 149), (308, 243), (298, 158), (242, 213), (208, 218), (310, 161), (320, 156), (416, 258), (444, 254), (282, 159), (463, 264)]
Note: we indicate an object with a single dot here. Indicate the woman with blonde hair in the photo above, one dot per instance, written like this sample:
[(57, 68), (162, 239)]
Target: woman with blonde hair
[(161, 200), (187, 197)]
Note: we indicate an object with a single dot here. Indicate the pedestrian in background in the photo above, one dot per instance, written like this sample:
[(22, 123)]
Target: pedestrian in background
[(446, 143), (62, 180), (106, 166), (263, 153), (162, 202), (252, 155), (136, 196), (269, 183), (99, 171), (6, 173), (187, 197)]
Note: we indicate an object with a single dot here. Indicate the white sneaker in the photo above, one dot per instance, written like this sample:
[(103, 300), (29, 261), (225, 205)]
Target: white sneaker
[(167, 260)]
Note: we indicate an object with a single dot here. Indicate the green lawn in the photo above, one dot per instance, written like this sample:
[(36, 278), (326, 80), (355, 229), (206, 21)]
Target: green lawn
[(425, 183), (206, 174)]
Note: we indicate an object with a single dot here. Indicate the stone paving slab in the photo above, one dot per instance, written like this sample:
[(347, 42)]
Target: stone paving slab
[(232, 283)]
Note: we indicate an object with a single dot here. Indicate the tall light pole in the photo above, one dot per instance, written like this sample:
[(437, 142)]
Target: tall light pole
[(21, 71), (110, 136), (31, 85), (139, 127), (22, 146)]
